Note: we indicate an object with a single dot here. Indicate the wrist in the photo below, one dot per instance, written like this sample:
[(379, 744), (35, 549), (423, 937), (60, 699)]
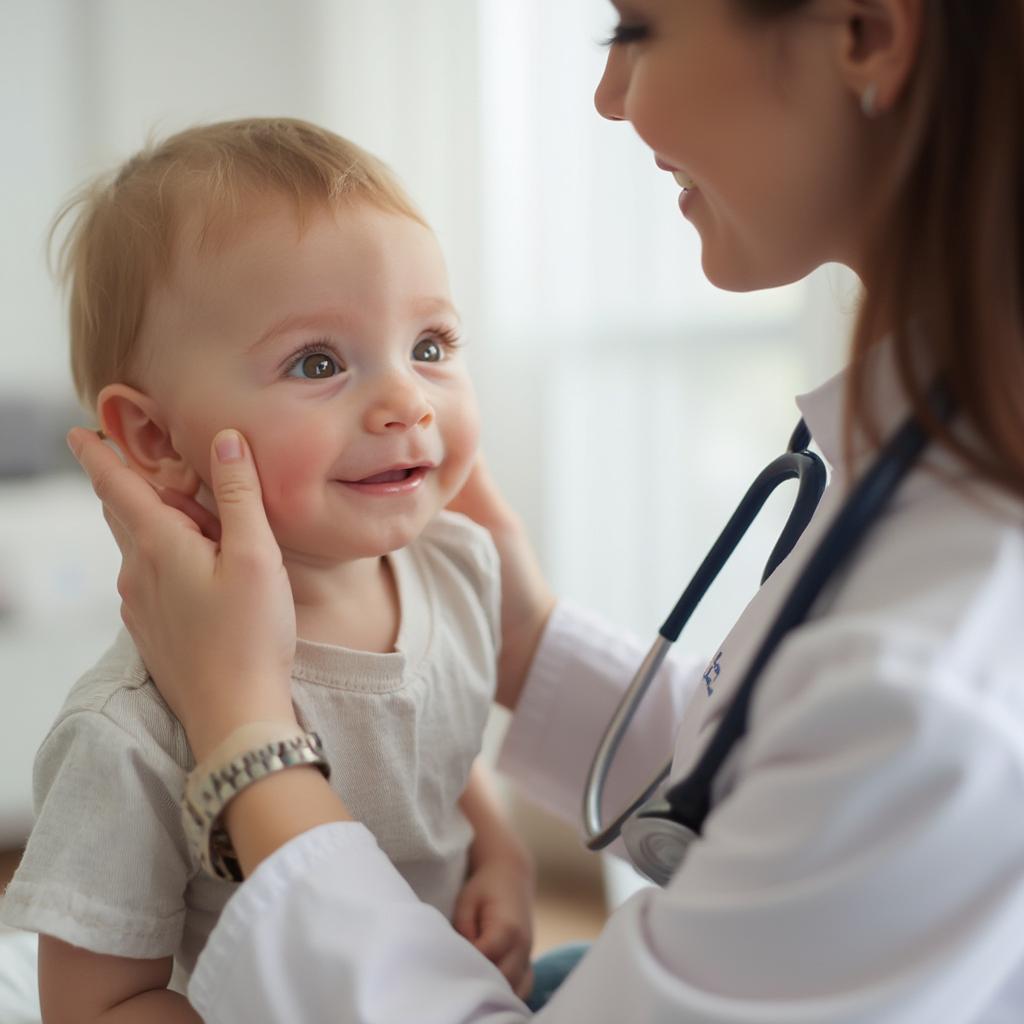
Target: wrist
[(245, 758), (210, 730), (508, 852), (226, 709)]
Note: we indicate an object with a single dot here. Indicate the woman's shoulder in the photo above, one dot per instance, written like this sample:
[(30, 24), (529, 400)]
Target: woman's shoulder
[(933, 599)]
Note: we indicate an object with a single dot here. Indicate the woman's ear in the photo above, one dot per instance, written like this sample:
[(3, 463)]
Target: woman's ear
[(133, 421), (879, 48)]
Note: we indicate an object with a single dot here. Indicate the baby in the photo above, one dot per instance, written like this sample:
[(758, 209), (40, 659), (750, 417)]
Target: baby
[(271, 276)]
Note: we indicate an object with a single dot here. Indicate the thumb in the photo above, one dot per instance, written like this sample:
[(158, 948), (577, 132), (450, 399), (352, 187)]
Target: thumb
[(236, 488)]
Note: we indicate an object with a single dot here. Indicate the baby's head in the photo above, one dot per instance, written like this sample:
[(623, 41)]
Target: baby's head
[(269, 275)]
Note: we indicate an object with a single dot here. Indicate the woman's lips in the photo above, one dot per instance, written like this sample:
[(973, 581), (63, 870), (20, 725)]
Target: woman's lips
[(389, 482), (683, 180)]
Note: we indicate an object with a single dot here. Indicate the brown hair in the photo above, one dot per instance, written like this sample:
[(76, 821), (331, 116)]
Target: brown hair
[(947, 266), (125, 225)]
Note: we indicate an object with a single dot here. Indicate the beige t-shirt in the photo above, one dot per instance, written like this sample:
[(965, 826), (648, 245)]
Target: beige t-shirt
[(107, 866)]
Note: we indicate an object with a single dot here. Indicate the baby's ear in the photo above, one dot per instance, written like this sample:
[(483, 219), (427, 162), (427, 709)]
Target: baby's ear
[(134, 422)]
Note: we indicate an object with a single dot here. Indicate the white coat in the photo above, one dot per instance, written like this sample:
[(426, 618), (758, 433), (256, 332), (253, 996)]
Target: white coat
[(863, 861)]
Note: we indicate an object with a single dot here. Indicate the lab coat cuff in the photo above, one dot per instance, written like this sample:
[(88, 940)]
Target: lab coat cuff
[(347, 852)]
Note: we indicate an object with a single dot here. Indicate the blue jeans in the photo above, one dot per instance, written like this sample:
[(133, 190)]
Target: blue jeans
[(551, 969)]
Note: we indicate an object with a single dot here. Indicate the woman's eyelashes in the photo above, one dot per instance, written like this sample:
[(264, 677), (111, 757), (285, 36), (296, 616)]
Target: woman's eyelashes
[(623, 34), (319, 361)]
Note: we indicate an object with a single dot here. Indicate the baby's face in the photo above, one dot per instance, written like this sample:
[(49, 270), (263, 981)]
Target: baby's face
[(334, 353)]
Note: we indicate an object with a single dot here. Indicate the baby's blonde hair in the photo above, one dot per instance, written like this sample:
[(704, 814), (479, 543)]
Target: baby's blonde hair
[(125, 225)]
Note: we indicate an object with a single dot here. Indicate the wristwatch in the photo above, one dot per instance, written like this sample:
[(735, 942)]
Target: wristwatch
[(212, 785)]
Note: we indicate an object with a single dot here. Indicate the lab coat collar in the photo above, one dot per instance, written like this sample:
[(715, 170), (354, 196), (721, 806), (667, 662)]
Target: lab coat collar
[(823, 408)]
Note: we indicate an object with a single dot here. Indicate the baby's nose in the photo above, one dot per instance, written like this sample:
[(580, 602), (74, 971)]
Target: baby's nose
[(399, 405)]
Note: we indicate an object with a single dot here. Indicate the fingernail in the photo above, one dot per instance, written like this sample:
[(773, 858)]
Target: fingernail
[(228, 446), (73, 444)]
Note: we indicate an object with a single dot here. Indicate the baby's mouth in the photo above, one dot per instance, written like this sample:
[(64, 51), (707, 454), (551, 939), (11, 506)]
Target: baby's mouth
[(398, 475), (392, 476)]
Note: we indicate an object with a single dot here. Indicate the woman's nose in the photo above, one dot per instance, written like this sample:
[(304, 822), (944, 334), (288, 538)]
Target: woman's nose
[(399, 404), (608, 97)]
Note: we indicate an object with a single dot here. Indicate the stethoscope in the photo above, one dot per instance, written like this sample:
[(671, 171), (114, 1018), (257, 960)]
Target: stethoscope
[(658, 831)]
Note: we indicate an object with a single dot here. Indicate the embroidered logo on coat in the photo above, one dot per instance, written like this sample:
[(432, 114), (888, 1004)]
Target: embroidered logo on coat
[(711, 673)]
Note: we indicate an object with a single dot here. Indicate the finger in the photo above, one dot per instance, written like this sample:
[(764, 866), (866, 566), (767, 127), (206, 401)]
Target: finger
[(125, 494), (525, 986), (236, 487), (207, 522), (466, 917), (513, 966), (121, 536), (495, 942), (481, 500)]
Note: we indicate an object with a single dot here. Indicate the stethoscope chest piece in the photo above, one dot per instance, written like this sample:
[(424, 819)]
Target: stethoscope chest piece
[(657, 842)]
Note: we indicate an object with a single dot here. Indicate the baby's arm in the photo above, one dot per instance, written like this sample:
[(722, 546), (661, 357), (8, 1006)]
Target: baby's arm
[(80, 987), (495, 908)]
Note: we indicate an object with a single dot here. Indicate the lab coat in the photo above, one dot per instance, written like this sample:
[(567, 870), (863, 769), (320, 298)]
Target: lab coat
[(864, 857)]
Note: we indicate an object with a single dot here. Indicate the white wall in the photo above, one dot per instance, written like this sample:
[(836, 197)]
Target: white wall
[(85, 82)]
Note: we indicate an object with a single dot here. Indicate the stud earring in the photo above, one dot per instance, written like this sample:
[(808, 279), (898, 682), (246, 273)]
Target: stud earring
[(869, 100)]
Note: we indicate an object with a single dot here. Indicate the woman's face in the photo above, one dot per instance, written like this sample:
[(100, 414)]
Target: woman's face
[(756, 115)]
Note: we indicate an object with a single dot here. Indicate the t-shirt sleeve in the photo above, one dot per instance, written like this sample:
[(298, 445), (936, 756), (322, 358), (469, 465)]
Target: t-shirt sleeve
[(107, 864)]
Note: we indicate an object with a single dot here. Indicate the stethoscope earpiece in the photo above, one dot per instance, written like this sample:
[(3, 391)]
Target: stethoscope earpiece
[(656, 841)]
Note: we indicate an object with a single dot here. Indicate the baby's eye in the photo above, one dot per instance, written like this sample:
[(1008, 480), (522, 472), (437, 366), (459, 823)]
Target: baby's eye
[(428, 350), (314, 366)]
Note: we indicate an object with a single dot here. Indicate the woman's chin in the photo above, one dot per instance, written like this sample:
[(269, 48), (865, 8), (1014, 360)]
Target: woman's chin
[(731, 274)]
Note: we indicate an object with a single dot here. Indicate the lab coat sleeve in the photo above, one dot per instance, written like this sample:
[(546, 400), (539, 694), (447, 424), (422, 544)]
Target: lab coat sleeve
[(578, 676), (866, 866)]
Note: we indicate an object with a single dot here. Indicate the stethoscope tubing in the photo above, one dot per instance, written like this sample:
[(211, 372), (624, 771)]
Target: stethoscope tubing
[(796, 463), (688, 801)]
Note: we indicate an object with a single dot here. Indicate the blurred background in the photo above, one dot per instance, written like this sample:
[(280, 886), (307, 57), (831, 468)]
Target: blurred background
[(626, 402)]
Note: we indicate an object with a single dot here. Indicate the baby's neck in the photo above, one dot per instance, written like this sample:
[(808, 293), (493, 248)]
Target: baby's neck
[(353, 604)]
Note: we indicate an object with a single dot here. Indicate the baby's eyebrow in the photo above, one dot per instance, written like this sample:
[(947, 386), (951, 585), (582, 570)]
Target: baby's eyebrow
[(432, 305), (336, 318), (419, 307)]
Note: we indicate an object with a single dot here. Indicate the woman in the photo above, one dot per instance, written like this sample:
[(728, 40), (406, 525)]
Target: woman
[(864, 857)]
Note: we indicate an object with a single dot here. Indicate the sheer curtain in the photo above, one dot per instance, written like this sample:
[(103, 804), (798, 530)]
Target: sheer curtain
[(637, 398), (629, 402)]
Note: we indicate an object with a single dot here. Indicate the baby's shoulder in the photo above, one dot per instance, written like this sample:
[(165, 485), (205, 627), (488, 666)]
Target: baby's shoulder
[(455, 539), (117, 694)]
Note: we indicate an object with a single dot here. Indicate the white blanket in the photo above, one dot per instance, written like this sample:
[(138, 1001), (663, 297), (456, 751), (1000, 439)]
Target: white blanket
[(19, 992)]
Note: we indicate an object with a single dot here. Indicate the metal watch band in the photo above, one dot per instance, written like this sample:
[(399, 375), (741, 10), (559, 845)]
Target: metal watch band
[(208, 792)]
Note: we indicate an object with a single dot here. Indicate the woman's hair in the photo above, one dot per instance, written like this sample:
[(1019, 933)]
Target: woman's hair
[(125, 226), (946, 267)]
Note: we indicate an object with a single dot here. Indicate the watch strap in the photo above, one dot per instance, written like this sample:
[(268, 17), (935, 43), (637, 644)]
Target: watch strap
[(246, 756)]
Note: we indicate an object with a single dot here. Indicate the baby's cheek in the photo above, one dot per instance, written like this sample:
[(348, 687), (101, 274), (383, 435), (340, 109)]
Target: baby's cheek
[(292, 485)]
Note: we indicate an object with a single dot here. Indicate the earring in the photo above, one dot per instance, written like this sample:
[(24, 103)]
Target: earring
[(869, 100)]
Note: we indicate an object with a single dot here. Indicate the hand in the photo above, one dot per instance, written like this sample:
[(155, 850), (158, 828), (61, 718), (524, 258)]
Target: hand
[(526, 598), (495, 912), (213, 619)]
